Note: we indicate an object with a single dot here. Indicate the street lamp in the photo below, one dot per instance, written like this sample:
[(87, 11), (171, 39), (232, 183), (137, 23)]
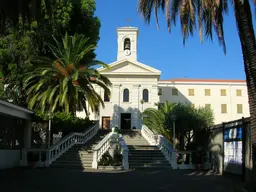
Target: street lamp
[(173, 118), (49, 130), (142, 102)]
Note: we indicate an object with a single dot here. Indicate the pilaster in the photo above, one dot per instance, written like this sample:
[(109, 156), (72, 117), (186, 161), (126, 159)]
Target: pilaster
[(136, 96)]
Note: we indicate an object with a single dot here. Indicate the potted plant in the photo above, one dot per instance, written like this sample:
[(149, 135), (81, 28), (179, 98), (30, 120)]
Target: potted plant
[(32, 159)]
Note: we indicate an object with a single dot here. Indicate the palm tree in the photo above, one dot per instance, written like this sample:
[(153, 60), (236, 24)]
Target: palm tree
[(158, 120), (66, 82), (210, 14)]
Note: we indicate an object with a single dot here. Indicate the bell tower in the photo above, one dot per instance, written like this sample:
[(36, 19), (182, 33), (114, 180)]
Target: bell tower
[(127, 43)]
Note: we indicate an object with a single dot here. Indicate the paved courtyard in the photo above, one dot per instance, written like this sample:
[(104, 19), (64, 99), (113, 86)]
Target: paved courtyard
[(61, 180)]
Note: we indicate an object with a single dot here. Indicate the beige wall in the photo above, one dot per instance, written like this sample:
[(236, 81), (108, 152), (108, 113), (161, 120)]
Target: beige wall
[(215, 99)]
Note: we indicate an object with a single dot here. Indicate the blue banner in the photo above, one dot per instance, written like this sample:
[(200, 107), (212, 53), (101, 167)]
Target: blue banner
[(234, 134)]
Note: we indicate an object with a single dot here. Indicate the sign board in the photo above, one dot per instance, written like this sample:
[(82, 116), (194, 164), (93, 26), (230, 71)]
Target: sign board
[(233, 150)]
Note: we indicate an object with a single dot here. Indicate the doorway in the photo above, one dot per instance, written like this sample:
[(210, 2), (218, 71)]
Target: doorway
[(125, 121), (106, 123)]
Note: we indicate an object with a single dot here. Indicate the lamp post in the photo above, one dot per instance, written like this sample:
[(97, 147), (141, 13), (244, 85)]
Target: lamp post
[(173, 118), (142, 102), (49, 130)]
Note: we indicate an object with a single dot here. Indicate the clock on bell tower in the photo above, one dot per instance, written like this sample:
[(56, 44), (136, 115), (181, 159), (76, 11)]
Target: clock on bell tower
[(127, 43)]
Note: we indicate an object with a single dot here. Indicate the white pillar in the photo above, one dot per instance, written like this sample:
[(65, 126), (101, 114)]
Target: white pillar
[(27, 134)]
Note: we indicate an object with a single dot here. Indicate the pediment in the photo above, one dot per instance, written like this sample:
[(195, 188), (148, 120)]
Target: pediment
[(129, 67)]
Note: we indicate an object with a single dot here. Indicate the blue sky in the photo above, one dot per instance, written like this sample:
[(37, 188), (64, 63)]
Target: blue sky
[(165, 51)]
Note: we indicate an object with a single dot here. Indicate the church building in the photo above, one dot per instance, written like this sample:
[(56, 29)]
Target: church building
[(136, 86)]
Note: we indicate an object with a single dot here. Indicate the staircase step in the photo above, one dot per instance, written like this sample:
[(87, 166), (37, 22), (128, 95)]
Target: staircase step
[(72, 166), (131, 158), (149, 165), (67, 157), (75, 161), (79, 156), (149, 152)]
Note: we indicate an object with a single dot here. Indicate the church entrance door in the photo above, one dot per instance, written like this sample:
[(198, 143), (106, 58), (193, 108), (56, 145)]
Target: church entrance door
[(125, 121)]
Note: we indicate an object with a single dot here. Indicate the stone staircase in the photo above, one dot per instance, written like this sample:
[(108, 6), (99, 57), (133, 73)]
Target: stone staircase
[(142, 154), (79, 156)]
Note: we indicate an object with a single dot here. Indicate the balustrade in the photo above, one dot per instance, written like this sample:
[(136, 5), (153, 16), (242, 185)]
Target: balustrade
[(47, 156)]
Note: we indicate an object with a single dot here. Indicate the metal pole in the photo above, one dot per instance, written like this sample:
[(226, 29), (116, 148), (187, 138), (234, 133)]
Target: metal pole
[(49, 134), (173, 135)]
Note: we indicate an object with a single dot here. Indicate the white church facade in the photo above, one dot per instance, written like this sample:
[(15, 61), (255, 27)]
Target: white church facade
[(133, 82)]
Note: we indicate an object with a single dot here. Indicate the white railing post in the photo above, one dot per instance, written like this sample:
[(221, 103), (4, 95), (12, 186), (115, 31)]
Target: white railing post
[(95, 160), (125, 153), (99, 150), (125, 159), (174, 160)]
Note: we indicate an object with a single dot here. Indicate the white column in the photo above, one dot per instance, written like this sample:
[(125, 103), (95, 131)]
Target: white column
[(27, 134), (136, 97), (116, 103)]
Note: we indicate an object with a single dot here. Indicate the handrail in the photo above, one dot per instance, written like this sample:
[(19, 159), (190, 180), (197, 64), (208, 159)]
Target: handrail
[(100, 149), (104, 146), (149, 135), (161, 142), (47, 156), (99, 145)]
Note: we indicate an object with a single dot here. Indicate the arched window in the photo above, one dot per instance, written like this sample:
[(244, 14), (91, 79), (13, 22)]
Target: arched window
[(126, 95), (127, 44), (106, 97), (145, 95)]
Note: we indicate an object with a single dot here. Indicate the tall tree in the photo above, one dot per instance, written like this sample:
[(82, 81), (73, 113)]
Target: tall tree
[(66, 83), (188, 119), (21, 41), (209, 14)]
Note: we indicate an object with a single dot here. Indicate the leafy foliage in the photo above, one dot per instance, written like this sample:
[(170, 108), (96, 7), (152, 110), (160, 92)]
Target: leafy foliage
[(207, 14), (16, 50), (23, 38), (65, 122), (186, 117), (107, 160), (65, 82)]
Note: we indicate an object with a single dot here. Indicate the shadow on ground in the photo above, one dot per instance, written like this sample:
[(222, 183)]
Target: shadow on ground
[(61, 180)]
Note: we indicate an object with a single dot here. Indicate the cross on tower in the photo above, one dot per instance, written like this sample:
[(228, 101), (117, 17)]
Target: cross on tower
[(128, 20)]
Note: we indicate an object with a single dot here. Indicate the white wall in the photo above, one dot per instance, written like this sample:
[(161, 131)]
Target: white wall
[(9, 158), (116, 106), (215, 99)]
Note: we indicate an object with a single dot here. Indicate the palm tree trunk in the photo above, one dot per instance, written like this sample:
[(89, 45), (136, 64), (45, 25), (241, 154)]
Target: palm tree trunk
[(247, 38)]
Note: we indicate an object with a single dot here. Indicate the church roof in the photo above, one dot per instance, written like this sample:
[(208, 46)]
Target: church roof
[(129, 67)]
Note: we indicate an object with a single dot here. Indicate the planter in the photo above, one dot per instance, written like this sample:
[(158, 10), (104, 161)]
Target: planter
[(117, 168)]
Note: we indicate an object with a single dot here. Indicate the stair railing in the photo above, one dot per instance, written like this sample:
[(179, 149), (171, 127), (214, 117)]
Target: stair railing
[(149, 135), (161, 142), (104, 146), (100, 149), (124, 152), (47, 156)]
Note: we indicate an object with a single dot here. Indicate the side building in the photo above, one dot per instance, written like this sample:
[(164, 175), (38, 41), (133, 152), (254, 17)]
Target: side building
[(227, 98)]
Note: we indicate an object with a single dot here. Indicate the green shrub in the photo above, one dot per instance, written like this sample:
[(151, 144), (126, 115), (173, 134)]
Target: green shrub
[(107, 160), (65, 122)]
